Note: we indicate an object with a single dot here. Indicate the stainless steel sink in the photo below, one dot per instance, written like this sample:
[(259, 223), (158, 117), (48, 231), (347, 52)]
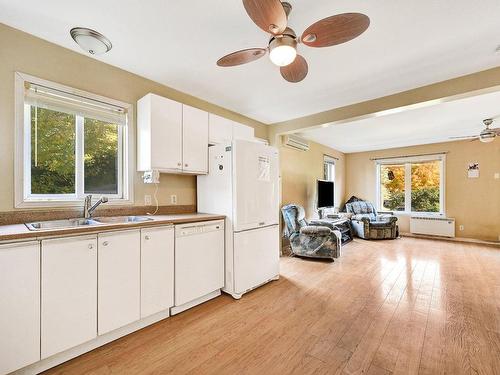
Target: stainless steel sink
[(61, 224), (122, 219)]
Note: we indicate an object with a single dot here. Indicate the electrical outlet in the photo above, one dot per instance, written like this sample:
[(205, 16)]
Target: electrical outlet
[(461, 227), (173, 199), (147, 200)]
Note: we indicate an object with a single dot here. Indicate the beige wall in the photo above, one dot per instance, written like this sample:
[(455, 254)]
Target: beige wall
[(24, 53), (301, 169), (474, 203)]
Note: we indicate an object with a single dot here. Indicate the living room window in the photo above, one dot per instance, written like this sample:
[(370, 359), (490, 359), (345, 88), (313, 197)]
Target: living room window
[(329, 168), (411, 184), (70, 144)]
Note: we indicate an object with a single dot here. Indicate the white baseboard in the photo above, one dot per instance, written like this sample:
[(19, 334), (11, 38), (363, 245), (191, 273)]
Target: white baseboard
[(59, 358), (452, 239), (178, 309)]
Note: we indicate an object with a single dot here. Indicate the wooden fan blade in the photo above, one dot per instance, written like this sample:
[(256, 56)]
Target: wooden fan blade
[(241, 57), (335, 30), (464, 137), (296, 71), (269, 15)]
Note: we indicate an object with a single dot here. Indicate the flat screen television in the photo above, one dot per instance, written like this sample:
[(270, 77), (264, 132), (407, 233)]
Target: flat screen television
[(325, 194)]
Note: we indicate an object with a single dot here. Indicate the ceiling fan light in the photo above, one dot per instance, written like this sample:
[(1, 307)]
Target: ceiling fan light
[(90, 40), (283, 50), (487, 138)]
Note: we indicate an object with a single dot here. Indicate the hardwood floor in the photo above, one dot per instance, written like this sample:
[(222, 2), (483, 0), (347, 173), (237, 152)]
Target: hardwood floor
[(408, 306)]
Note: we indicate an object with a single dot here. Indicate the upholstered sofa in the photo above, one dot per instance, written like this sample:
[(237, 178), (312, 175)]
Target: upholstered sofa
[(319, 240), (369, 224)]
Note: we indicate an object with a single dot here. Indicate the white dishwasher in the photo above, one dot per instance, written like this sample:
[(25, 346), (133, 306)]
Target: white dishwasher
[(199, 263)]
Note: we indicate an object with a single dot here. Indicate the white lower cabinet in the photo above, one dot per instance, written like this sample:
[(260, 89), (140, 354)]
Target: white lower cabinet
[(68, 293), (119, 266), (157, 270), (20, 305), (57, 294)]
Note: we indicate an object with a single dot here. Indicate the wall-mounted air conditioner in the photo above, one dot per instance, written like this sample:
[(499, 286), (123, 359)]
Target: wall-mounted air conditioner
[(434, 226), (296, 142)]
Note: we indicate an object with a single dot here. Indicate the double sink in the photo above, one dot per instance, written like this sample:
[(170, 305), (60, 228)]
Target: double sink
[(82, 222)]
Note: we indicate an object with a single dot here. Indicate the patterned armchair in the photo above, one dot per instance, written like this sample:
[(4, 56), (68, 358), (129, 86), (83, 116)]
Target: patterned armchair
[(367, 223), (315, 241)]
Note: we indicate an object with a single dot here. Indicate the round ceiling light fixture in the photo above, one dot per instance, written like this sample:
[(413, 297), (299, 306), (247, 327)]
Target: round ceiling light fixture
[(283, 50), (90, 40)]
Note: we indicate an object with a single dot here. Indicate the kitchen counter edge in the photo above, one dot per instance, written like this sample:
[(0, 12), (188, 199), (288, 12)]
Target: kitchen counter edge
[(19, 232)]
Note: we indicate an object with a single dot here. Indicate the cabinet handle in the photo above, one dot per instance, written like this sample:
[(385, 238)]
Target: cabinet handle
[(90, 246), (179, 164), (147, 238), (105, 243), (185, 165)]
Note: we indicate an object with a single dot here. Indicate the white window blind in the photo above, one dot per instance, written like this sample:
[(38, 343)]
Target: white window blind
[(44, 97)]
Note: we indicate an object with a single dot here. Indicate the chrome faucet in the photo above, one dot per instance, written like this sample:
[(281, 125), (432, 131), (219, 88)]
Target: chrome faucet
[(88, 209)]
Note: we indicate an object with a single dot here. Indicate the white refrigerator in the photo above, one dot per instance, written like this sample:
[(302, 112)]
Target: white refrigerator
[(243, 184)]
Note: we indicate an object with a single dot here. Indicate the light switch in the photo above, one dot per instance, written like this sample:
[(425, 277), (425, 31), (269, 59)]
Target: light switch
[(496, 176)]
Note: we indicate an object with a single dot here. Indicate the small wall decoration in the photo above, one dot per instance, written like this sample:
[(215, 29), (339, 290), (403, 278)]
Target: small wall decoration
[(473, 170)]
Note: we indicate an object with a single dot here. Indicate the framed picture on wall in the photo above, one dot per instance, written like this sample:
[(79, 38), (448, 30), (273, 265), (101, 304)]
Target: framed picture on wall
[(473, 170)]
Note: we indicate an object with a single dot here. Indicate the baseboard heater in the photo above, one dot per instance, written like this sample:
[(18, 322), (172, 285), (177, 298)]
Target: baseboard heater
[(434, 226)]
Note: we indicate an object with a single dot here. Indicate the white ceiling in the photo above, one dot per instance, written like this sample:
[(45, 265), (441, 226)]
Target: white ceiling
[(428, 124), (409, 44)]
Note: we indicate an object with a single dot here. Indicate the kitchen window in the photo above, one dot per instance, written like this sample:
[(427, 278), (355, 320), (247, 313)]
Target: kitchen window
[(411, 184), (70, 143)]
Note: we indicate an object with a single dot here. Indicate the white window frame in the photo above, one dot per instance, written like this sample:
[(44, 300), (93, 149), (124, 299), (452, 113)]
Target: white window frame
[(329, 160), (406, 161), (22, 171)]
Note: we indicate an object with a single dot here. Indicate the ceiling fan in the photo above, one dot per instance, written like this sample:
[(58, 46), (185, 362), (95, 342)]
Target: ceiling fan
[(272, 17), (486, 136)]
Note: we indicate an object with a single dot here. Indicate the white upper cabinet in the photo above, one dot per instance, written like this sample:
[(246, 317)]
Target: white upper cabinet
[(157, 270), (224, 130), (119, 290), (171, 135), (221, 129), (241, 131), (20, 305), (69, 293), (159, 134), (194, 140)]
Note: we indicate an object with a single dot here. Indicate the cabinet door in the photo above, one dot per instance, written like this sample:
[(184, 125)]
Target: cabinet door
[(194, 140), (69, 293), (157, 270), (20, 301), (220, 129), (119, 279), (166, 134), (241, 131)]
